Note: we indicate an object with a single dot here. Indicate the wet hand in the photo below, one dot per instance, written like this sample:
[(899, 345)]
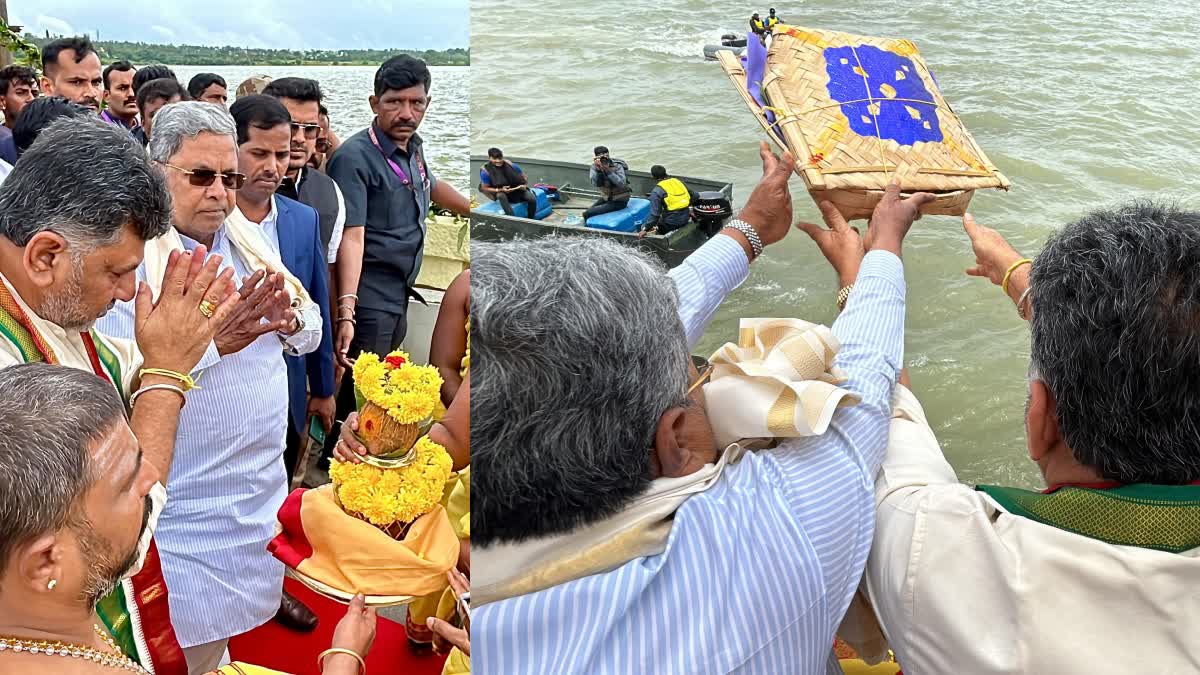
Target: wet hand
[(769, 208), (172, 332), (893, 217), (840, 244)]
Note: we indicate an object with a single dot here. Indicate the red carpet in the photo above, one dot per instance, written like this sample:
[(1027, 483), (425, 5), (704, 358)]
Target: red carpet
[(273, 646)]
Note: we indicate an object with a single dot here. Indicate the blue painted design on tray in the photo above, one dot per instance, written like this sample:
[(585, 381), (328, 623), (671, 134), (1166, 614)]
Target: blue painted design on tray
[(897, 94)]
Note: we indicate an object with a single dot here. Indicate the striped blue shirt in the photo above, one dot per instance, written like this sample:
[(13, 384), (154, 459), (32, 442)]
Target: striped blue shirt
[(759, 569), (227, 482)]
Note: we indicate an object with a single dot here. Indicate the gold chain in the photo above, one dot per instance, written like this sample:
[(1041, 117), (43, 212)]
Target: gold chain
[(118, 660)]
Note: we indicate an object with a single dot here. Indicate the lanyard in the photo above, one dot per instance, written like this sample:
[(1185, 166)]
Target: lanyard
[(396, 167)]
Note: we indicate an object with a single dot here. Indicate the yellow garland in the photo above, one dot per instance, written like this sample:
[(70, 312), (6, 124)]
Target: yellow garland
[(409, 392), (386, 496)]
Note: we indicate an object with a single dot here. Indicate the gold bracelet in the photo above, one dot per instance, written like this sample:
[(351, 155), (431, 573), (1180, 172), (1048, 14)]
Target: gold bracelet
[(186, 380), (843, 296), (1012, 268), (362, 665)]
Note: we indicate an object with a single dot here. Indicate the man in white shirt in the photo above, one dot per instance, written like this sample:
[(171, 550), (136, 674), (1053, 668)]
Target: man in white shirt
[(1098, 573)]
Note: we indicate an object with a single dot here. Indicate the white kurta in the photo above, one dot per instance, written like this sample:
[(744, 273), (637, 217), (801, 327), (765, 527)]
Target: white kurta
[(961, 586)]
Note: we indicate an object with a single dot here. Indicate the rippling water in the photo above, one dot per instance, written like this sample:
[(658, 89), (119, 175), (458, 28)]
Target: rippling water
[(1079, 104), (346, 90)]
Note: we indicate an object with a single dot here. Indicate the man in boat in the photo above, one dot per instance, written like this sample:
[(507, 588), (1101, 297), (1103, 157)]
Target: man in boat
[(772, 20), (992, 579), (69, 244), (608, 174), (504, 181), (18, 87), (120, 99), (758, 26), (151, 98), (228, 479), (603, 519), (71, 69), (670, 203)]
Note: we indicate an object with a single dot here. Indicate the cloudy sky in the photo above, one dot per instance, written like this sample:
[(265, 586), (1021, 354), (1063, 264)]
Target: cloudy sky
[(279, 24)]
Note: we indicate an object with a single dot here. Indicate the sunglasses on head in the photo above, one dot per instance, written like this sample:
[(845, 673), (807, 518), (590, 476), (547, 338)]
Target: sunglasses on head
[(311, 131), (205, 177)]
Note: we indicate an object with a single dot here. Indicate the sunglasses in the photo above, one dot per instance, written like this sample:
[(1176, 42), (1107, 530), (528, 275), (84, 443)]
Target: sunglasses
[(323, 145), (311, 131), (205, 177)]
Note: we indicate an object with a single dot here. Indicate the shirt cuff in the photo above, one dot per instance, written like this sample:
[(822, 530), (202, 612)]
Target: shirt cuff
[(307, 338), (883, 265)]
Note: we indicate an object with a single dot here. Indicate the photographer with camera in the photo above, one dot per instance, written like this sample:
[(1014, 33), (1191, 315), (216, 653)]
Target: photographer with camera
[(608, 174)]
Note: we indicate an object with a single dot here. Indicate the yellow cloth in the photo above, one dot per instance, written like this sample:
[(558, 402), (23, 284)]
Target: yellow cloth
[(860, 667), (457, 501), (239, 668), (354, 556), (247, 241), (457, 663), (466, 360), (779, 381)]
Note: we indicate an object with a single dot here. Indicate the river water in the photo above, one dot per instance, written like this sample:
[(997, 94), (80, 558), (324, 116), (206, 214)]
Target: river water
[(1079, 104), (346, 90)]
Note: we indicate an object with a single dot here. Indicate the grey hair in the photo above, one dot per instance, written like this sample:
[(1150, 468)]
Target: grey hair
[(579, 352), (52, 417), (1116, 339), (86, 181), (184, 120)]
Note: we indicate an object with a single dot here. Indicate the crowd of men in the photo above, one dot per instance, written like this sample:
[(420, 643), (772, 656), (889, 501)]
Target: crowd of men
[(236, 259)]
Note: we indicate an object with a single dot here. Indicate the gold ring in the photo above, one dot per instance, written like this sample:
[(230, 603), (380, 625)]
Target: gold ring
[(207, 309)]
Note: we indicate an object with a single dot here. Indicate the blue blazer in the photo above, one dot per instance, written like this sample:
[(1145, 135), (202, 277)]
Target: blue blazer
[(304, 255)]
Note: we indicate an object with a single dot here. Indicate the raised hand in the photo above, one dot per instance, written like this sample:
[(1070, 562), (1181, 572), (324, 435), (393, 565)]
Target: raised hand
[(893, 217), (769, 208), (841, 244), (993, 254), (174, 331), (259, 298)]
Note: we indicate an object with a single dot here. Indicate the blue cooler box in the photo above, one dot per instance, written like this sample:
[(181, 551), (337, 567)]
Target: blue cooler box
[(543, 206), (628, 219)]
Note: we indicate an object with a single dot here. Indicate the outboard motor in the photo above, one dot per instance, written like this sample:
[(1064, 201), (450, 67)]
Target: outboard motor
[(711, 210), (731, 40)]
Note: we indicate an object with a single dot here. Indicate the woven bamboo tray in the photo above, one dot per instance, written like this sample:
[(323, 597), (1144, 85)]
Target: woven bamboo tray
[(857, 111)]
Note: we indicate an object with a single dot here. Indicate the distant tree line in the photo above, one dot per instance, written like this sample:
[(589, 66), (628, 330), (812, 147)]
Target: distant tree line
[(197, 55)]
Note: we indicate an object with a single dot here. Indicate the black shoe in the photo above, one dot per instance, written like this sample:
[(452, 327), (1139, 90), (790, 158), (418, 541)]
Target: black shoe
[(295, 615)]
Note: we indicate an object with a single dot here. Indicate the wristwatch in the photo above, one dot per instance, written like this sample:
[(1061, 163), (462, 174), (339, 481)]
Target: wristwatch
[(756, 245)]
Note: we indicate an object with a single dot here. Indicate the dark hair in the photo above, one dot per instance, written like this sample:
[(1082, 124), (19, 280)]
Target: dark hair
[(52, 417), (119, 66), (22, 74), (151, 73), (495, 153), (164, 88), (81, 45), (46, 191), (1115, 329), (599, 150), (38, 115), (202, 81), (296, 88), (658, 171), (259, 111), (324, 112), (401, 72)]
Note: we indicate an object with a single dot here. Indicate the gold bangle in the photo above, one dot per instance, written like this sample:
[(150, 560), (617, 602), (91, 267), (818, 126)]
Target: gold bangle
[(186, 380), (1012, 268), (362, 665), (843, 296)]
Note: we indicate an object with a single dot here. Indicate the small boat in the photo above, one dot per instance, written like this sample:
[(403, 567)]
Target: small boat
[(730, 42), (568, 192)]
